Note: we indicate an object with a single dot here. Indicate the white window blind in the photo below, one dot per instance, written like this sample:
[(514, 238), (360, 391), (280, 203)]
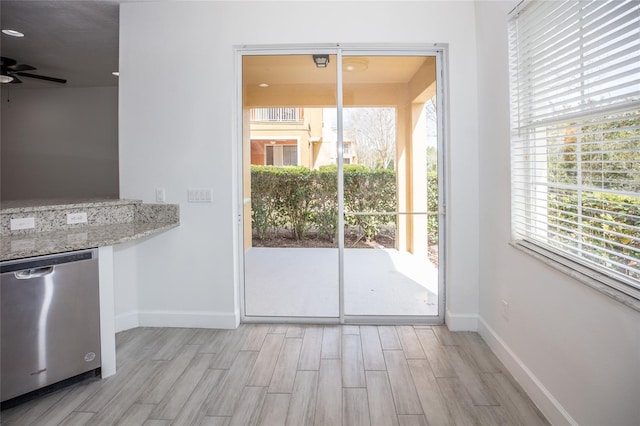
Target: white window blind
[(575, 134)]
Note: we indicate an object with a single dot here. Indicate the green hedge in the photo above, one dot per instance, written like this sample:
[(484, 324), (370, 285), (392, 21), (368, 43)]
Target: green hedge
[(603, 233), (300, 200)]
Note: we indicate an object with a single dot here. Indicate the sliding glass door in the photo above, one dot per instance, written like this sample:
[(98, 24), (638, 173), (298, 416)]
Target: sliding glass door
[(290, 188), (341, 186), (389, 148)]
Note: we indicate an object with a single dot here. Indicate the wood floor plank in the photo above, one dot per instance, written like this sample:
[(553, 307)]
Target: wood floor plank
[(128, 394), (331, 342), (410, 343), (225, 358), (217, 342), (352, 362), (266, 360), (482, 355), (303, 399), (435, 353), (28, 413), (412, 420), (203, 336), (78, 419), (389, 338), (458, 402), (215, 421), (169, 407), (249, 406), (137, 414), (329, 401), (492, 415), (295, 331), (169, 372), (403, 389), (355, 407), (350, 329), (284, 373), (138, 342), (480, 393), (154, 422), (431, 398), (64, 406), (519, 407), (173, 341), (255, 337), (371, 348), (275, 409), (382, 410), (194, 409), (311, 349), (111, 386), (446, 337), (223, 402), (278, 329)]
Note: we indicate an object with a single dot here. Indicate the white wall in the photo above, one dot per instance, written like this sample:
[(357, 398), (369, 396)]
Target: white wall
[(177, 130), (581, 347), (59, 143)]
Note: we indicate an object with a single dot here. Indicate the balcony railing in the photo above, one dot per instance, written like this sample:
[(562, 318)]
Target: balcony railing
[(277, 115)]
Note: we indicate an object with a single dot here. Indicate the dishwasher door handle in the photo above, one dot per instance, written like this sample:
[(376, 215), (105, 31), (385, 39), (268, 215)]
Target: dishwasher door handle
[(34, 273)]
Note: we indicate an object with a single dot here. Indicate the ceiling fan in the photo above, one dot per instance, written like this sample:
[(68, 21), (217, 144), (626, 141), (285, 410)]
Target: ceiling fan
[(10, 70)]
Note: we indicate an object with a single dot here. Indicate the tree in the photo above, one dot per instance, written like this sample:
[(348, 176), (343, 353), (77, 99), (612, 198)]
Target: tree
[(373, 131)]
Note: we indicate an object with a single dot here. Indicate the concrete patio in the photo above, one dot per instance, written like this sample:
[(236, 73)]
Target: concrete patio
[(303, 282)]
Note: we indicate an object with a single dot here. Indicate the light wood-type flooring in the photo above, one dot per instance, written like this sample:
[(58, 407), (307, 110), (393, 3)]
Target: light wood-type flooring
[(261, 374)]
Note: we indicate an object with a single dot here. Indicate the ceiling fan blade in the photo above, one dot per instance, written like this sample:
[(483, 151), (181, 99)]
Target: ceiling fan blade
[(15, 80), (41, 77), (23, 67), (7, 62)]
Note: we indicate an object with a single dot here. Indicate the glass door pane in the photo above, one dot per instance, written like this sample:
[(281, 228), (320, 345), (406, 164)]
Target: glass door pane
[(390, 161), (290, 186)]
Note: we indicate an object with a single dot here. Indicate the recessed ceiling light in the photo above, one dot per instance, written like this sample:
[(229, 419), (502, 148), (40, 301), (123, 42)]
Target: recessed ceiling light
[(13, 33), (116, 73), (355, 64), (263, 85)]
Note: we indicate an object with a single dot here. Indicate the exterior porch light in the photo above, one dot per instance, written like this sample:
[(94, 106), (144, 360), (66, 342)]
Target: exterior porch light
[(321, 60)]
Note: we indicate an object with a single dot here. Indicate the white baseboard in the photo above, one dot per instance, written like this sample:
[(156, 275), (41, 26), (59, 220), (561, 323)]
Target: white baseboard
[(539, 394), (456, 322), (188, 319), (127, 321)]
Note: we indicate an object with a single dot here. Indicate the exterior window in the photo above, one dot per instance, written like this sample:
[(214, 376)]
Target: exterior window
[(281, 155), (575, 136)]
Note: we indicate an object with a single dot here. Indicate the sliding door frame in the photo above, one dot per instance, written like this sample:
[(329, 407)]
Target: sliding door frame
[(439, 51)]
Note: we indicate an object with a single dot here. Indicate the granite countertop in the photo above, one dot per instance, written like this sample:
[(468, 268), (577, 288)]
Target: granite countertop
[(109, 222), (26, 206)]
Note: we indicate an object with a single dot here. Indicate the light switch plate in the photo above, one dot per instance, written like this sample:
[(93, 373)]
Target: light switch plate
[(199, 195), (75, 218), (23, 223), (160, 195)]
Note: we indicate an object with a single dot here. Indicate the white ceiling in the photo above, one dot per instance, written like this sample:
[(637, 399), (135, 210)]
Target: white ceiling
[(75, 40)]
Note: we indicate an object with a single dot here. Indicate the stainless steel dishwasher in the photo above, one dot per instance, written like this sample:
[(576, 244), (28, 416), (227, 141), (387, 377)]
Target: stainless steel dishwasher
[(50, 321)]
